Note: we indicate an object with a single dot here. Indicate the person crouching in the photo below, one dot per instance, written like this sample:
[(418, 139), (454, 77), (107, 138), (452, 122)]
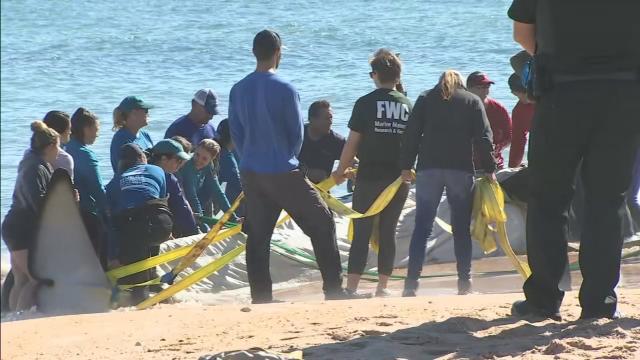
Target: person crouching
[(140, 215)]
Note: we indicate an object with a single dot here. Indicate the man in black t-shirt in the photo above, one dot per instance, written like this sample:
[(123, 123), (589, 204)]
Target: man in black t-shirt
[(321, 146), (587, 57)]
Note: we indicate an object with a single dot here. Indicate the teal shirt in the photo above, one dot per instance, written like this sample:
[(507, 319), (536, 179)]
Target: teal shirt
[(201, 186), (87, 178), (124, 136)]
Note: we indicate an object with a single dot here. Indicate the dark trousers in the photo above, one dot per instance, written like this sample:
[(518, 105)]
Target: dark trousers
[(266, 196), (141, 232), (598, 123), (366, 192), (430, 184)]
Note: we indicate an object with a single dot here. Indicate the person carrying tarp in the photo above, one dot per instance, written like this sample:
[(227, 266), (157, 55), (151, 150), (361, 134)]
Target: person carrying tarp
[(376, 127), (446, 124), (266, 127)]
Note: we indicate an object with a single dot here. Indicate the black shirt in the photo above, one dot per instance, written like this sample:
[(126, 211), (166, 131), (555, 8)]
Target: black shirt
[(321, 153), (583, 37), (446, 132), (381, 117)]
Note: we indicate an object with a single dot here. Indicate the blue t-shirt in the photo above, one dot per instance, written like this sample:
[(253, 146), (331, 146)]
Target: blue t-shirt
[(86, 177), (124, 136), (266, 123), (184, 127), (135, 187)]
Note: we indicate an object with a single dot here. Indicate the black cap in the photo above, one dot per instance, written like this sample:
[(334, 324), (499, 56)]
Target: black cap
[(265, 44), (515, 83), (130, 154)]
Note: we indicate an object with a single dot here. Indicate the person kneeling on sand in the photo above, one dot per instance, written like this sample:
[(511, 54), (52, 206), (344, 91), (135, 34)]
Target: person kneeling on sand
[(266, 127), (140, 215), (446, 125), (377, 124), (199, 180)]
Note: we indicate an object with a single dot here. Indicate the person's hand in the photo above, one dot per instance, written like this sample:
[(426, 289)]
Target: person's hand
[(492, 176), (350, 174), (113, 264), (407, 176), (76, 195), (339, 176)]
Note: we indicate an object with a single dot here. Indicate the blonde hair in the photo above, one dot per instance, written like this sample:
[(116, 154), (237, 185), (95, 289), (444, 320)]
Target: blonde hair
[(119, 118), (387, 65), (449, 82), (42, 137), (211, 146)]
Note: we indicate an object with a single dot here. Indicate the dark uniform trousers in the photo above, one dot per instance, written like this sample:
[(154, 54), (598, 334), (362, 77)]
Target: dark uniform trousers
[(266, 196), (596, 122)]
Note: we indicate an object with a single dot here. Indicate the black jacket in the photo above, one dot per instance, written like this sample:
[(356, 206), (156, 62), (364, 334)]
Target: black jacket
[(445, 133)]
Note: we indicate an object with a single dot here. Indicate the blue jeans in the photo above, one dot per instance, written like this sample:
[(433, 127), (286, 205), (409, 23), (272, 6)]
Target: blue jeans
[(430, 185)]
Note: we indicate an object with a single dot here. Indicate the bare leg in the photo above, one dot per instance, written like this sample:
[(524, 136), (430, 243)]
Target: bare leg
[(383, 280), (352, 281), (27, 297), (20, 268)]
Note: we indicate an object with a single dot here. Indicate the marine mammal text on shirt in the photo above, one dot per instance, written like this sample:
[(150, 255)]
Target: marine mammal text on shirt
[(381, 118)]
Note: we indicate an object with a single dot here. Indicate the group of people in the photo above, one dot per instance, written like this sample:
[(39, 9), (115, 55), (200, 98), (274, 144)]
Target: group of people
[(454, 130), (159, 190)]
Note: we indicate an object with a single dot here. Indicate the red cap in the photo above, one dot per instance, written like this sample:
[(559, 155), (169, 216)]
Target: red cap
[(478, 78)]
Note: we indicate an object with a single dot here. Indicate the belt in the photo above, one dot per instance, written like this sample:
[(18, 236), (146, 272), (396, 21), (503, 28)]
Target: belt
[(622, 75)]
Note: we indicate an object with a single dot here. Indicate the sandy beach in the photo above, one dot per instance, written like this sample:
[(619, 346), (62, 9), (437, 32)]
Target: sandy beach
[(432, 325)]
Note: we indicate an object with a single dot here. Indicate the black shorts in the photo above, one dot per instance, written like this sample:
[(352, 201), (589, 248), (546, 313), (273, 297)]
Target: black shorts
[(18, 232)]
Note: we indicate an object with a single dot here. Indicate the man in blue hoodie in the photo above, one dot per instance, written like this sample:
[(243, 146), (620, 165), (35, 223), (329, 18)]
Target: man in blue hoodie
[(267, 130)]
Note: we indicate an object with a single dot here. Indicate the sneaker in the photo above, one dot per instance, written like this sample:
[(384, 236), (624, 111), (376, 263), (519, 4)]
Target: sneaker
[(345, 294), (409, 293), (591, 315), (464, 286), (523, 308), (383, 293)]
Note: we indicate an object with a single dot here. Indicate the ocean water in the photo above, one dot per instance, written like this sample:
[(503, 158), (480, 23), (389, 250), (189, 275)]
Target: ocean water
[(65, 54)]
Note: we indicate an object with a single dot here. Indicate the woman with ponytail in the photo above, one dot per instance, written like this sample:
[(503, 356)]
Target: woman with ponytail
[(128, 120), (447, 124), (18, 230), (375, 135)]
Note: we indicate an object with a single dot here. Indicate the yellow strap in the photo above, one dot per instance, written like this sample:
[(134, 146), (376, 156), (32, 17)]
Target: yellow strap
[(490, 222), (174, 254), (199, 247), (193, 278)]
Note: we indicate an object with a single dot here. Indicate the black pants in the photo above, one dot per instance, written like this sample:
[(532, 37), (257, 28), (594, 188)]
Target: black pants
[(598, 123), (141, 231), (365, 193), (266, 196)]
